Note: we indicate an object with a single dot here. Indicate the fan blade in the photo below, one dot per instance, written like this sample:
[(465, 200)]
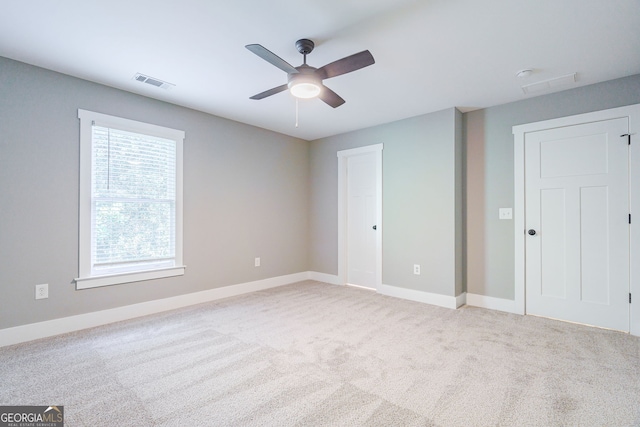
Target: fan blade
[(270, 92), (346, 65), (330, 97), (271, 58)]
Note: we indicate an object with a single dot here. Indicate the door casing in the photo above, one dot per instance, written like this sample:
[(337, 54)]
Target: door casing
[(343, 206), (577, 201), (631, 112)]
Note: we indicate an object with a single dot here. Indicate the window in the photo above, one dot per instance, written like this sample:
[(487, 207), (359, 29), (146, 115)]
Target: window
[(130, 201)]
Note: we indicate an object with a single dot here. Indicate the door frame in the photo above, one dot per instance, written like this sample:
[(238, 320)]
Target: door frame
[(343, 157), (632, 113)]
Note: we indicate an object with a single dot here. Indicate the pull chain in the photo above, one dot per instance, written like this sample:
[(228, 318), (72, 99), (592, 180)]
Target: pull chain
[(296, 112)]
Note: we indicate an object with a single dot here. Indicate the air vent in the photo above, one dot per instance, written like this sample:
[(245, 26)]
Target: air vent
[(550, 83), (152, 81)]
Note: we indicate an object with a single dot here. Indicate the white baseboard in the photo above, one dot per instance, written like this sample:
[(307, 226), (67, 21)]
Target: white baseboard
[(324, 277), (63, 325), (461, 299), (419, 296), (492, 303)]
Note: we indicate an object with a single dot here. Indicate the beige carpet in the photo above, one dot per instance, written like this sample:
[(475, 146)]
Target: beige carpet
[(314, 354)]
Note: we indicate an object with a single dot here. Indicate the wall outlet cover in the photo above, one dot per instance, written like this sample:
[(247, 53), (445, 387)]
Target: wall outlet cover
[(505, 213), (42, 291)]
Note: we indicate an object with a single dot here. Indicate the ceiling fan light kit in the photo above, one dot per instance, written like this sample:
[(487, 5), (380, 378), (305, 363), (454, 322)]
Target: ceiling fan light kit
[(305, 84), (306, 81)]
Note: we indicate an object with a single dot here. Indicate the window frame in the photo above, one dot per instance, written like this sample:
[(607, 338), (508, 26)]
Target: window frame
[(85, 278)]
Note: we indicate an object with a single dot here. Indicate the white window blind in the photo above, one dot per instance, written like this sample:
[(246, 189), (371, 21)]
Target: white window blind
[(133, 200), (134, 206)]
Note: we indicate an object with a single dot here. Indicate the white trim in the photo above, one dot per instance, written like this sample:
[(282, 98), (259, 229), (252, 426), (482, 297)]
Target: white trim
[(360, 150), (419, 296), (139, 276), (343, 156), (64, 325), (129, 125), (87, 278), (461, 300), (492, 303), (379, 216), (518, 223), (634, 244), (332, 279), (360, 287), (632, 112)]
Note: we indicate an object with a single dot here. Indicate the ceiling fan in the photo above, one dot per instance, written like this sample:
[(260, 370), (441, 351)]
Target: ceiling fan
[(306, 81)]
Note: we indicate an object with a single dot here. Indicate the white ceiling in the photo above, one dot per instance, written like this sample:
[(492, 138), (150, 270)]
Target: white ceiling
[(430, 54)]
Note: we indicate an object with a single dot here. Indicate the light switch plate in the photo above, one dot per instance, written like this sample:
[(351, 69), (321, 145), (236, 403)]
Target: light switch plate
[(505, 213)]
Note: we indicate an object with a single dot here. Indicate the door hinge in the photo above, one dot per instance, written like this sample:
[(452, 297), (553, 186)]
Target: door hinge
[(629, 297), (629, 218), (628, 135)]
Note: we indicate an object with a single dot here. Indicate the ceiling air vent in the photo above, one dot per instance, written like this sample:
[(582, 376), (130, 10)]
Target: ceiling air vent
[(152, 81), (540, 86)]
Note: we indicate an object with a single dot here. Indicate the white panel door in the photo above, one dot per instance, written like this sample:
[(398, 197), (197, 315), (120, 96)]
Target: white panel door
[(361, 220), (577, 207)]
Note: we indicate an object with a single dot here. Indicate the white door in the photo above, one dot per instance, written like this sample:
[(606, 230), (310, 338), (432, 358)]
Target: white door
[(361, 220), (577, 223)]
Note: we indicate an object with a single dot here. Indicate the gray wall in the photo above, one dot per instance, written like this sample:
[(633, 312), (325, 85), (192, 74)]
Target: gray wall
[(245, 195), (417, 190), (422, 220), (489, 174), (249, 192)]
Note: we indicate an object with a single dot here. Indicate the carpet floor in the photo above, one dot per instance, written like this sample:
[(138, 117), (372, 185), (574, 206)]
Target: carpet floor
[(312, 354)]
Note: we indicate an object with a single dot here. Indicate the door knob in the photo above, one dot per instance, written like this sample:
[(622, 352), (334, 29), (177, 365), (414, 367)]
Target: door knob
[(375, 227), (532, 232)]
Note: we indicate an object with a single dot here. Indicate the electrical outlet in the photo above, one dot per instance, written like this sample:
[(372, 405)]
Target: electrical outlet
[(257, 262), (42, 291), (416, 269), (505, 213)]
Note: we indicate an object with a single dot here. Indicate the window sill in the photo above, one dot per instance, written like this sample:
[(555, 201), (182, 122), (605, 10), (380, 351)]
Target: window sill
[(118, 279)]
